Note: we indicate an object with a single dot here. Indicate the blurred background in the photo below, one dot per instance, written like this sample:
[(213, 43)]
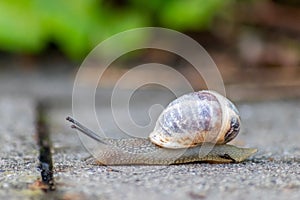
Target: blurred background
[(255, 43)]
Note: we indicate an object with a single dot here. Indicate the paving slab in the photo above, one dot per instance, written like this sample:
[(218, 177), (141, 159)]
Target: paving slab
[(273, 173), (18, 152)]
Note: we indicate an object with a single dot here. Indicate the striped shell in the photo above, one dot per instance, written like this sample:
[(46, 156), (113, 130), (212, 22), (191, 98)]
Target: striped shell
[(195, 118)]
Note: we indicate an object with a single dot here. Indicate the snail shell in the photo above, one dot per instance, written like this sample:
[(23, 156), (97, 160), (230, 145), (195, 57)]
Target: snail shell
[(196, 118)]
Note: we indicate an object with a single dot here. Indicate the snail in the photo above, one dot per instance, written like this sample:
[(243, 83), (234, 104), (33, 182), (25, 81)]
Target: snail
[(193, 128)]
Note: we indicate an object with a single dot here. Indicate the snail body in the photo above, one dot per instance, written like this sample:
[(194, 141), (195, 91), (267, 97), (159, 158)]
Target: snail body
[(193, 128), (139, 151)]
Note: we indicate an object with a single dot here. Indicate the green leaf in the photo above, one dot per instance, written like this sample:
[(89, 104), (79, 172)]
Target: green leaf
[(193, 14), (20, 27)]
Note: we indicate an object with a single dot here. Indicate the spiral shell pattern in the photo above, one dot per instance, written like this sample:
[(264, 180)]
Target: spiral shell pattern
[(196, 118)]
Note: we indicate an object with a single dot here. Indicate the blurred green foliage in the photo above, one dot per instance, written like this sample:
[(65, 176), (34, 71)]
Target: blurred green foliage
[(76, 26)]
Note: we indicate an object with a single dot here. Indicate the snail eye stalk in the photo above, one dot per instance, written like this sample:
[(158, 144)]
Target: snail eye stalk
[(85, 130)]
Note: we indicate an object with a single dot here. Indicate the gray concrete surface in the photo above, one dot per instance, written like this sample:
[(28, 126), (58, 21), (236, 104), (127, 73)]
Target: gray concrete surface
[(273, 173), (18, 152)]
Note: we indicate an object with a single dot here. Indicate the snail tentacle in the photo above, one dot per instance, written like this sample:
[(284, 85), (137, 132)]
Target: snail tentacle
[(85, 130)]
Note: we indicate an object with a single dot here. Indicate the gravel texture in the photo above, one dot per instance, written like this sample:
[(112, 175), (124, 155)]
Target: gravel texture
[(18, 152)]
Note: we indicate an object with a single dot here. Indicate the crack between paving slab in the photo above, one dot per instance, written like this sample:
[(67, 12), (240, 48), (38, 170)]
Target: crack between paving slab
[(44, 142)]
